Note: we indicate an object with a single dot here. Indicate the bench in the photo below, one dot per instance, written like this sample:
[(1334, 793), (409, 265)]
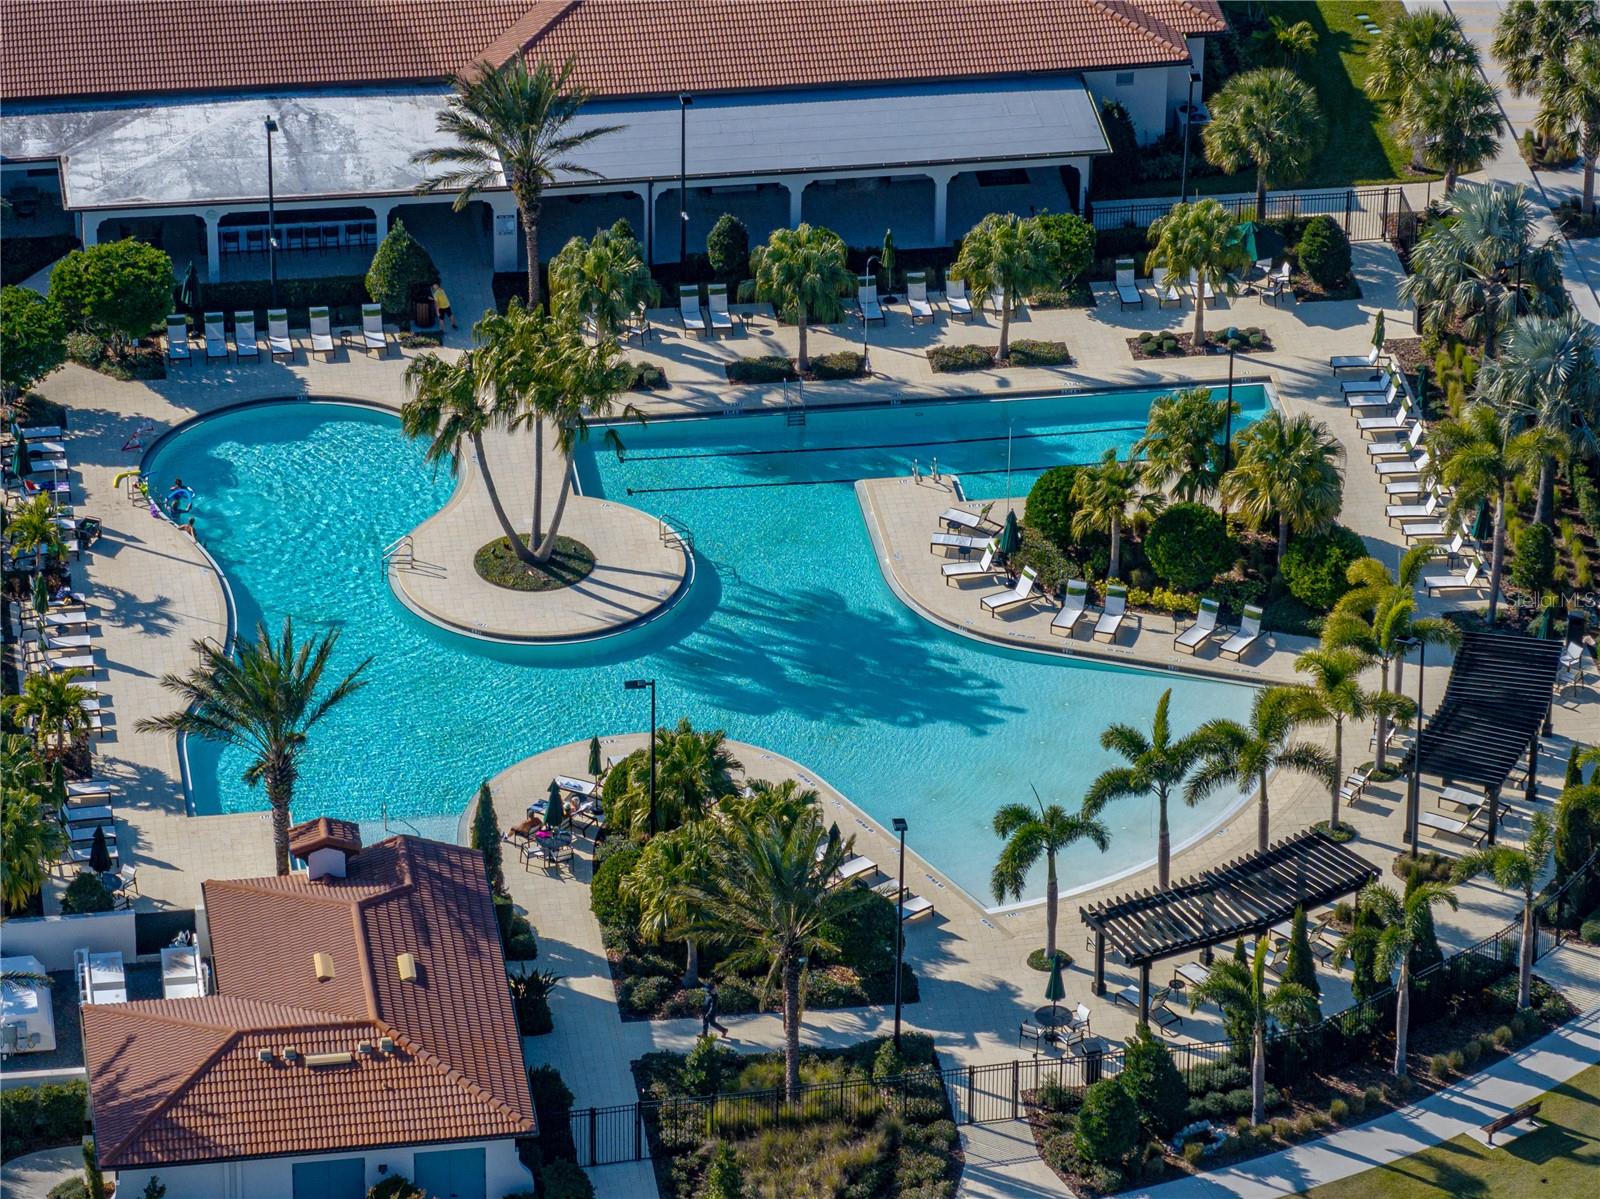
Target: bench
[(1515, 1116)]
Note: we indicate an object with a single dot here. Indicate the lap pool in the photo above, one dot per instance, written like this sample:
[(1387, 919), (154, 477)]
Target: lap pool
[(789, 638)]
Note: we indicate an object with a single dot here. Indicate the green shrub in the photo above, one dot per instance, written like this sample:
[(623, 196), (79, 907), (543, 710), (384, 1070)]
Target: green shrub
[(647, 995), (643, 376), (1304, 1125), (1108, 1124), (841, 364), (1358, 1105), (947, 359), (565, 1180), (1314, 568), (1590, 930), (1193, 1151), (1188, 545), (395, 1186), (611, 907), (1373, 1096), (1050, 506), (1324, 253), (728, 249), (1472, 1051), (1534, 561), (1055, 1096), (86, 349), (86, 894), (1074, 241), (724, 1179), (41, 1117), (1153, 1084), (552, 1103), (769, 368), (69, 1188), (1338, 1111), (33, 339), (1026, 351), (530, 998), (120, 290), (1050, 566), (402, 271)]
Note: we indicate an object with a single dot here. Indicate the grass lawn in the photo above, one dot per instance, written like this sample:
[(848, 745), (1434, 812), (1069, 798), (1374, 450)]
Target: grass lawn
[(1562, 1158)]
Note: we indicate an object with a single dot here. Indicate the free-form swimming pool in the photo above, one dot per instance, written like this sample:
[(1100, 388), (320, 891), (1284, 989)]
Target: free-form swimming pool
[(789, 637)]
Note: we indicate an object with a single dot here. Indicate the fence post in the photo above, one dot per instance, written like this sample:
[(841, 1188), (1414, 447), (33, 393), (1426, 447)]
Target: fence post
[(969, 1094), (1349, 200), (638, 1133), (1016, 1095), (594, 1124)]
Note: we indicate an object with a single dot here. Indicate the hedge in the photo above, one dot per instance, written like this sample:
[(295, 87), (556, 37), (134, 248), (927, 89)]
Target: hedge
[(343, 294), (841, 364), (769, 368), (42, 1117), (1028, 352), (945, 359)]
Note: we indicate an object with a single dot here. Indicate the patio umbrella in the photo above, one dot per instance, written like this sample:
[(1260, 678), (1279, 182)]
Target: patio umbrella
[(58, 786), (1377, 330), (553, 812), (1544, 629), (594, 757), (1055, 990), (21, 459), (189, 290), (41, 597), (886, 255), (1484, 524), (1010, 539), (1245, 235)]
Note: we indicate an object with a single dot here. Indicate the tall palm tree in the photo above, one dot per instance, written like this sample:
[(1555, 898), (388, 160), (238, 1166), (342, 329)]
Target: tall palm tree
[(787, 800), (1234, 754), (1157, 765), (1197, 237), (32, 528), (1413, 46), (694, 769), (659, 883), (1180, 446), (1288, 467), (1336, 691), (1396, 928), (1519, 870), (1240, 990), (511, 126), (802, 272), (1108, 498), (1030, 835), (1553, 51), (1455, 114), (604, 281), (264, 699), (1573, 104), (31, 836), (771, 893), (1006, 254), (1269, 118), (53, 701), (1481, 267)]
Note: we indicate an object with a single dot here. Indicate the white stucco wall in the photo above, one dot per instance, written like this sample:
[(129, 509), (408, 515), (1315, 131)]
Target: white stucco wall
[(1145, 97)]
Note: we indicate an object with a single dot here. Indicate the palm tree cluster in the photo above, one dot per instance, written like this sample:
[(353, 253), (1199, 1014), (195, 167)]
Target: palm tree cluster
[(1552, 51), (32, 789)]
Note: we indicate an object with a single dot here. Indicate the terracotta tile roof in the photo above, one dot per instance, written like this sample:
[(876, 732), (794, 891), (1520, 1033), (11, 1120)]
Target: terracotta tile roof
[(182, 1081), (324, 833)]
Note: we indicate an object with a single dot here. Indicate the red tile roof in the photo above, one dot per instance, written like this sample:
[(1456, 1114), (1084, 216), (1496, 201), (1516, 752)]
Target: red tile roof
[(324, 833), (182, 1080), (66, 48)]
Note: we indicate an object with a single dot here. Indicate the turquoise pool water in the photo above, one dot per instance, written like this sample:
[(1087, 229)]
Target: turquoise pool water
[(789, 637)]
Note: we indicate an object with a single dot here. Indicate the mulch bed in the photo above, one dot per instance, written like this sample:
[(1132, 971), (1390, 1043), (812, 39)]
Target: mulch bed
[(1307, 291), (570, 563), (1186, 348)]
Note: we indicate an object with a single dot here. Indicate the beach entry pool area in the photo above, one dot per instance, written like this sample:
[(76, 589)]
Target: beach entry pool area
[(788, 638)]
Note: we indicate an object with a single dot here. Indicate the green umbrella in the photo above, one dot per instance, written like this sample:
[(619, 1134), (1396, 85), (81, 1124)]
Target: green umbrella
[(1377, 330), (1484, 524), (189, 291), (553, 812), (594, 757), (21, 459), (100, 852), (58, 785), (886, 255), (1055, 990), (41, 597), (1544, 630), (1010, 539), (1245, 235)]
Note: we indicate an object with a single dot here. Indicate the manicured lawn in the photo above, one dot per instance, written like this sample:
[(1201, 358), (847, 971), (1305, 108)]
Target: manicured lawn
[(1562, 1158)]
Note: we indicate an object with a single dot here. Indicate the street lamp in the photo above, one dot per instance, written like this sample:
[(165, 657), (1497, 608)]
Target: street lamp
[(1416, 748), (272, 217), (866, 364), (683, 181), (1188, 121), (899, 928), (1227, 436), (640, 685)]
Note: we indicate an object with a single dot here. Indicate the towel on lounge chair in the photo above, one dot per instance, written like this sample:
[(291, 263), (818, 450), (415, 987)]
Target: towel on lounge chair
[(216, 337), (1399, 421), (689, 309), (373, 336), (278, 340), (177, 339), (717, 307), (321, 332), (867, 300), (917, 296), (244, 336), (1073, 607), (1201, 630)]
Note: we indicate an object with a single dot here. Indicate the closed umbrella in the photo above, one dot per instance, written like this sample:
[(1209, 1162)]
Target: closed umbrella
[(41, 597), (887, 255), (189, 290), (21, 459), (1055, 990), (1010, 540), (594, 757), (1484, 524), (58, 786), (1377, 330), (1544, 629), (553, 812)]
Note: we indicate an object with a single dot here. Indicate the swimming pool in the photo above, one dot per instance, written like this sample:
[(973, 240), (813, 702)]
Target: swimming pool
[(789, 637)]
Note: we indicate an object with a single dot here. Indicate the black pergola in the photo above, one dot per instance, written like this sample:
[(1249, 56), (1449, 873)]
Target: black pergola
[(1493, 711), (1246, 896)]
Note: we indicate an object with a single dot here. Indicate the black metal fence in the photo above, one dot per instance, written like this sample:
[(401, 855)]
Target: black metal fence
[(1364, 213)]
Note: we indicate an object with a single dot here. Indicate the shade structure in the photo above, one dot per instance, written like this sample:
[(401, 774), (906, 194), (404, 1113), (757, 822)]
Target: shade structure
[(1010, 540)]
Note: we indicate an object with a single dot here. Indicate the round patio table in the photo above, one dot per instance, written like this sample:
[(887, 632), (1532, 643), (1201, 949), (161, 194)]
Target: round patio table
[(1054, 1016)]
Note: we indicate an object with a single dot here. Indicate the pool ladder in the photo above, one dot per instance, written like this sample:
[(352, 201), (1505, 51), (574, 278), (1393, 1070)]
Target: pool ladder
[(794, 405), (674, 533), (399, 554)]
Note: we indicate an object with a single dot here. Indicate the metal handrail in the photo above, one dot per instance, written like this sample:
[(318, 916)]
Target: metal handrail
[(397, 550), (672, 530)]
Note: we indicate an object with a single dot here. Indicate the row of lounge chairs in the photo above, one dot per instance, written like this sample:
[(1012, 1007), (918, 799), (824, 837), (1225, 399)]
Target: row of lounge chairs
[(1261, 279), (715, 315), (212, 342), (1205, 628)]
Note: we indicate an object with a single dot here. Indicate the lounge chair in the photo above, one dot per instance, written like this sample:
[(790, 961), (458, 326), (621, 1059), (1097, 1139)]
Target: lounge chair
[(1114, 613), (955, 299), (1200, 631), (1471, 801), (177, 339), (970, 570), (1396, 449), (1357, 400), (373, 336), (278, 340), (1073, 607), (717, 307), (689, 309), (579, 787), (89, 788), (914, 908), (960, 518), (321, 332), (1410, 466), (1202, 290), (1424, 528), (1354, 784), (1022, 593), (1443, 824), (957, 541), (216, 337), (1248, 634), (854, 868), (1128, 292), (917, 297), (1357, 386), (1400, 421), (1405, 512), (1166, 293), (867, 301), (1353, 362), (1194, 973), (244, 336)]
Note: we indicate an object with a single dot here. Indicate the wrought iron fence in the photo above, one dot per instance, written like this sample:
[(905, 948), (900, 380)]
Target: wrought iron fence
[(1364, 213)]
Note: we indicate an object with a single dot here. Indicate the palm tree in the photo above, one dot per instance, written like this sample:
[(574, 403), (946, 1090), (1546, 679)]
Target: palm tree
[(1240, 990), (32, 528), (263, 698), (787, 800), (802, 272), (1516, 869), (1108, 497), (659, 883), (513, 127), (1481, 267), (1269, 118), (772, 894), (1397, 926), (53, 701), (1455, 114), (1030, 835), (1288, 467), (1234, 754), (1336, 689), (604, 281), (1003, 253), (1197, 237), (693, 771), (1553, 50), (1156, 766), (1413, 46), (31, 836), (1180, 445)]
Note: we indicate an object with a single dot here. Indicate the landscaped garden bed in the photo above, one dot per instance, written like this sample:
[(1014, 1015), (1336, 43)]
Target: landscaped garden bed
[(775, 368), (1250, 339), (1023, 351), (570, 563), (952, 359)]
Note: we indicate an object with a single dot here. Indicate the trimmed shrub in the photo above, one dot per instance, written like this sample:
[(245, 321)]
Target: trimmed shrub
[(1314, 568), (1026, 351), (841, 364), (1074, 240), (42, 1117), (565, 1180), (552, 1103), (1153, 1084), (1108, 1124), (1324, 253), (768, 368), (1188, 545), (611, 907), (1534, 561), (947, 359), (401, 272), (728, 249), (85, 894), (1050, 507), (120, 290)]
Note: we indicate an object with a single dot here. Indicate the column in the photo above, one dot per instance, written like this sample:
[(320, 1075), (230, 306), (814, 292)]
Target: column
[(1530, 792), (797, 193), (1144, 993), (213, 253), (647, 196), (941, 203), (507, 237), (381, 210), (1099, 962)]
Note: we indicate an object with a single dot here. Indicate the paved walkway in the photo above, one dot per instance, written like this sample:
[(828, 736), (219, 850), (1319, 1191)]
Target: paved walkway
[(32, 1175)]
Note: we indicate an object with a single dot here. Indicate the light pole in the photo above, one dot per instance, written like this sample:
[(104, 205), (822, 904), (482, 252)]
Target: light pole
[(1412, 799), (683, 181), (1227, 436), (1188, 122), (639, 685), (272, 218), (866, 364), (899, 927)]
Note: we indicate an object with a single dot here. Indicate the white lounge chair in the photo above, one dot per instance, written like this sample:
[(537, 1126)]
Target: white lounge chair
[(960, 518), (1249, 632), (89, 788), (1073, 608), (1417, 530), (1194, 973), (1128, 292), (1411, 466), (1443, 824), (689, 309), (1022, 593), (278, 339), (1166, 291), (1352, 362), (216, 337), (321, 332), (1114, 613), (373, 336), (244, 336), (970, 570), (1358, 400), (177, 339), (1405, 512), (917, 296), (581, 787), (1400, 421), (717, 307), (957, 541), (867, 300), (1396, 449), (1358, 386), (955, 299), (1203, 290), (1200, 631), (914, 908), (854, 868)]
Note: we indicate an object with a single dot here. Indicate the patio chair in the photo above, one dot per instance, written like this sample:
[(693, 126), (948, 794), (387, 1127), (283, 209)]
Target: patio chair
[(1115, 612), (969, 570), (244, 336), (956, 541), (1166, 292), (583, 788), (278, 340), (1354, 362), (1194, 973), (1249, 632), (1027, 1031), (955, 299), (1417, 530), (1022, 593), (1200, 631), (689, 309), (1357, 400), (717, 307), (1411, 466), (1276, 284), (177, 339), (1440, 823), (1404, 512), (214, 338), (867, 301), (373, 336), (1398, 422), (1073, 607), (915, 908), (1128, 292), (1380, 382), (960, 518), (917, 297), (321, 333), (853, 869), (1354, 784), (1396, 449)]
